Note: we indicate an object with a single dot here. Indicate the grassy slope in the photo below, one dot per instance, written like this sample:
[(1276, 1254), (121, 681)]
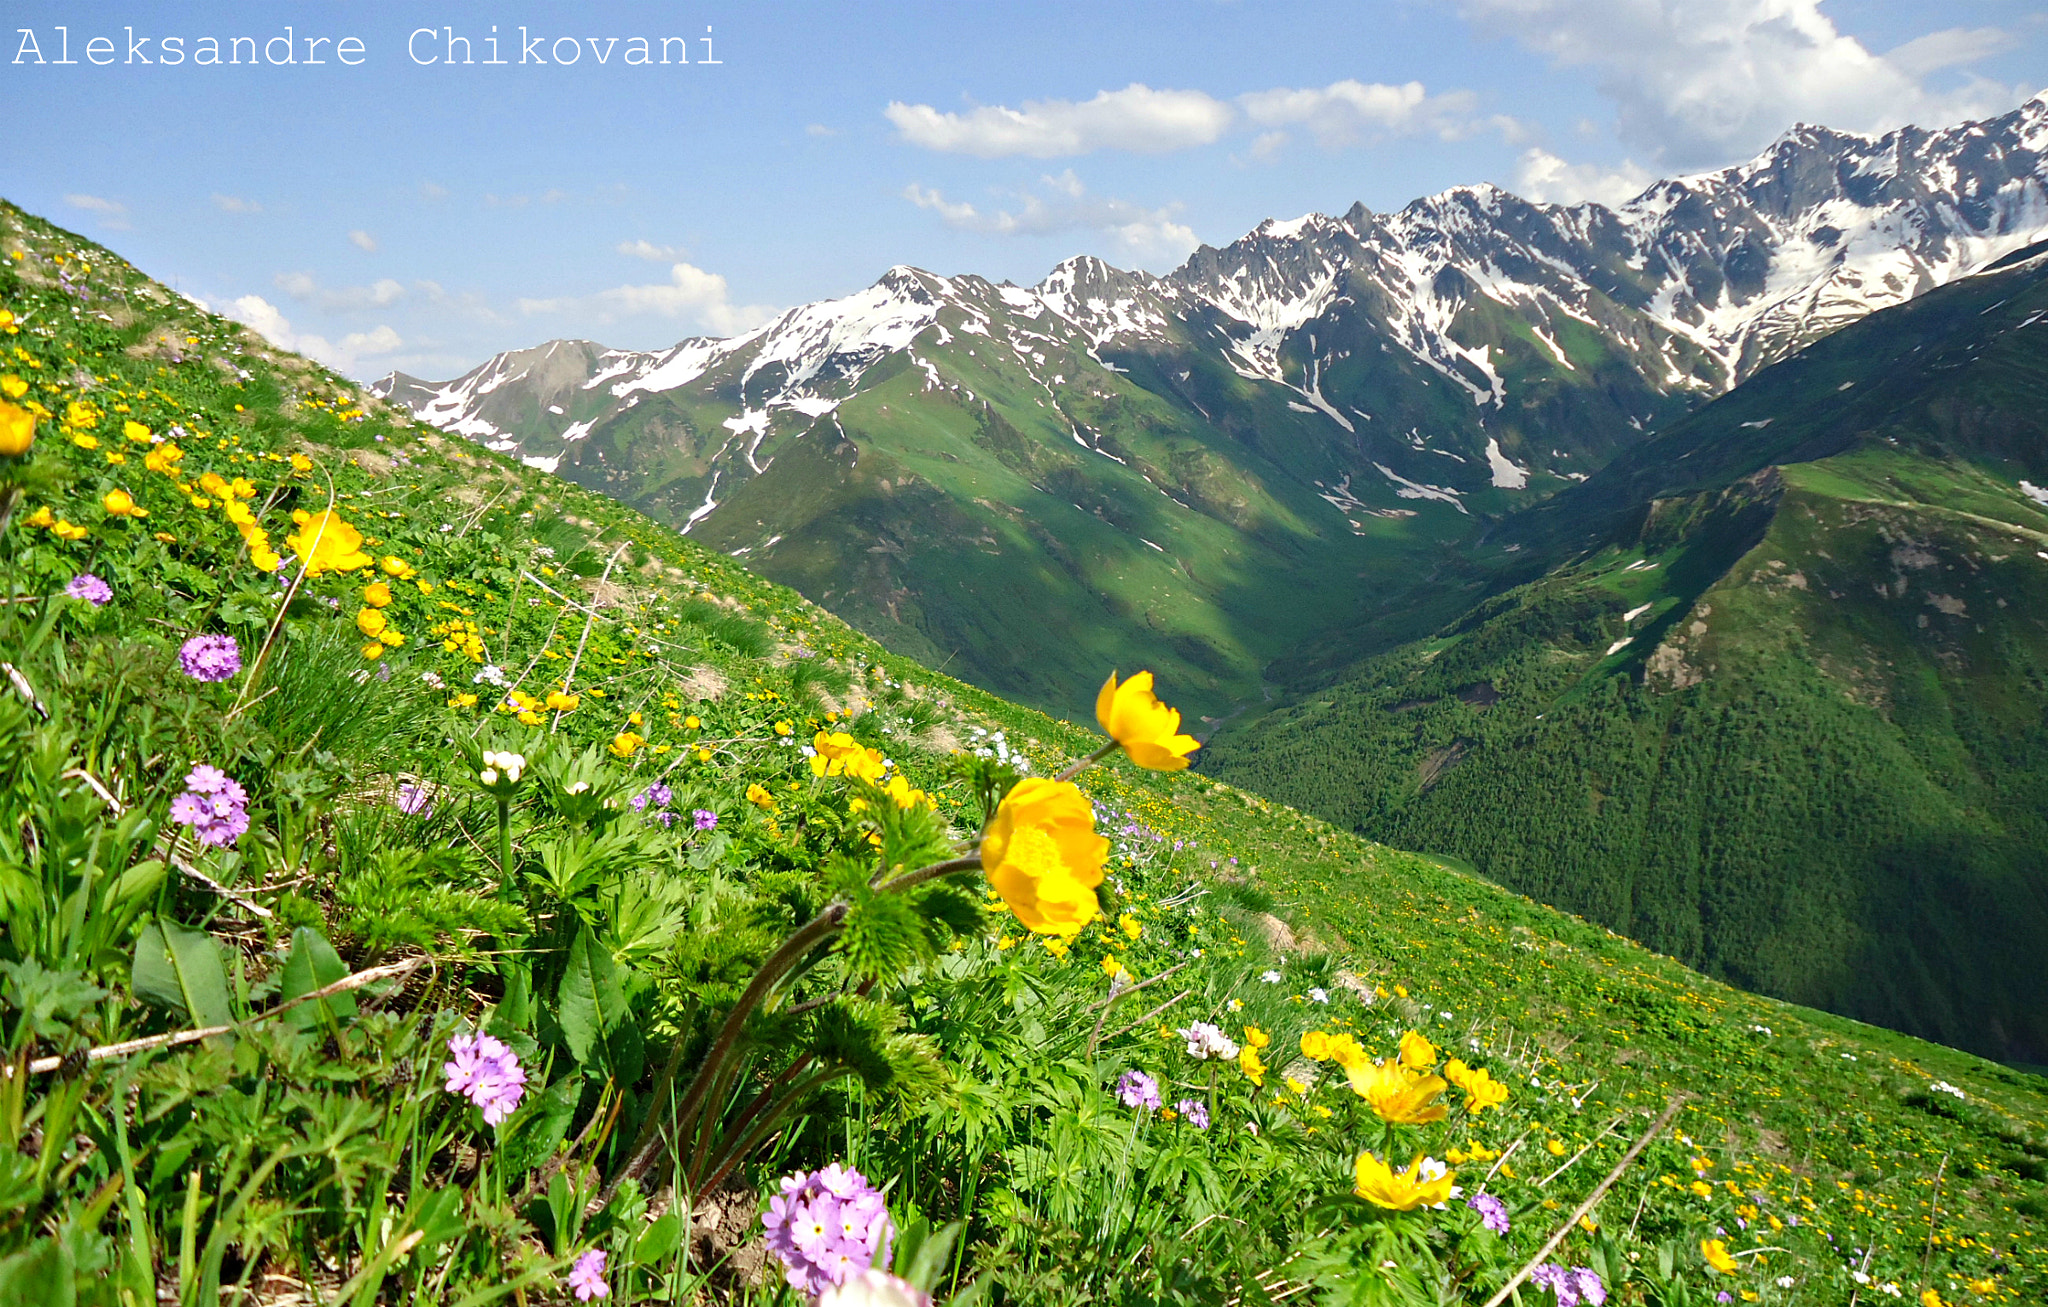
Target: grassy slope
[(1814, 1116), (1783, 724)]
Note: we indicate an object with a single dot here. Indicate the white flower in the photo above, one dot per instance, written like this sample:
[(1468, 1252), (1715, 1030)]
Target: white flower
[(1206, 1041), (489, 674), (1859, 1277), (1270, 977), (488, 776), (1236, 1005), (580, 787), (1319, 995), (1944, 1087), (1786, 1282), (1890, 1287)]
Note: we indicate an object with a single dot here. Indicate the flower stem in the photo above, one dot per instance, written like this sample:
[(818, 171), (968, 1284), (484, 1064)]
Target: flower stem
[(504, 847), (1075, 769)]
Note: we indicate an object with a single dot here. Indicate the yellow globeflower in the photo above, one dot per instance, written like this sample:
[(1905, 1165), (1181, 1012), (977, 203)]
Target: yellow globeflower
[(1481, 1089), (562, 701), (1043, 856), (1399, 1191), (1315, 1045), (1716, 1253), (327, 543), (135, 431), (1397, 1095), (264, 558), (377, 595), (370, 622), (121, 504), (626, 743), (1249, 1062), (1148, 730), (17, 430), (759, 796), (1347, 1052), (1417, 1053), (393, 565), (837, 754), (12, 386)]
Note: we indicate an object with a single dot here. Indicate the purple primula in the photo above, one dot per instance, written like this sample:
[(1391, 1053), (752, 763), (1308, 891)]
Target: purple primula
[(213, 805), (210, 657), (1572, 1285), (415, 800), (1493, 1213), (704, 819), (827, 1226), (1136, 1089), (1195, 1110), (586, 1277), (487, 1073), (90, 588), (657, 794)]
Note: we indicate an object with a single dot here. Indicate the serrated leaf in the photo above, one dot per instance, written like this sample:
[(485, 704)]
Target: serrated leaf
[(180, 969), (883, 935), (313, 963), (591, 1006)]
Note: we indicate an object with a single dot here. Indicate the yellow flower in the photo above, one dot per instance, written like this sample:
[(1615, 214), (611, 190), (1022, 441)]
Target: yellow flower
[(1716, 1253), (370, 622), (703, 755), (1403, 1191), (1128, 924), (120, 504), (1257, 1038), (760, 797), (1930, 1298), (301, 464), (264, 558), (12, 386), (373, 650), (1249, 1062), (562, 701), (904, 796), (1481, 1089), (1347, 1052), (377, 595), (17, 430), (1397, 1095), (1113, 968), (1701, 1188), (838, 754), (463, 700), (1315, 1045), (625, 743), (398, 567), (135, 431), (326, 543), (1043, 856), (1148, 730), (42, 517), (635, 719), (65, 530), (692, 723), (391, 637), (1417, 1052), (1553, 1147)]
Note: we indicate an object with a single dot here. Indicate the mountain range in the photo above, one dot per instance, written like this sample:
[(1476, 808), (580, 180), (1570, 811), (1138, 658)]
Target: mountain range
[(1229, 464)]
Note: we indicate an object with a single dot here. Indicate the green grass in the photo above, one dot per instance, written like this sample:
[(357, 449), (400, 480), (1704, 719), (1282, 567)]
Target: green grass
[(308, 1149)]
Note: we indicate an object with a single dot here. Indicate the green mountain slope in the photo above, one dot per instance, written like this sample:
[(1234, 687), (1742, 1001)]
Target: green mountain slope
[(317, 1148), (1776, 700)]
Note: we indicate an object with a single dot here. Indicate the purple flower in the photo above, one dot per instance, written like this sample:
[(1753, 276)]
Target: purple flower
[(415, 800), (210, 657), (1195, 1110), (1136, 1089), (90, 588), (704, 819), (586, 1277), (1493, 1213), (487, 1073), (213, 805), (827, 1226), (1572, 1285)]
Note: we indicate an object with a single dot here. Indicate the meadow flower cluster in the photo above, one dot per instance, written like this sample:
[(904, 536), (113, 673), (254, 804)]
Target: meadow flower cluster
[(486, 1072), (827, 1226), (213, 804)]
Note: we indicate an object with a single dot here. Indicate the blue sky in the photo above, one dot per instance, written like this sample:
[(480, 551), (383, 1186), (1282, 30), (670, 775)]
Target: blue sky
[(424, 216)]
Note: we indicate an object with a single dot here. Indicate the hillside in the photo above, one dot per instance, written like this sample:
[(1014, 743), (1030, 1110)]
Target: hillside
[(383, 881), (1774, 700), (1210, 470)]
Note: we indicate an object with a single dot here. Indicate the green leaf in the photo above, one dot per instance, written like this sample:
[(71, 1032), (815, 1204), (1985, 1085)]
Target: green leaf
[(313, 964), (660, 1242), (592, 1010), (42, 1275), (180, 969), (540, 1126)]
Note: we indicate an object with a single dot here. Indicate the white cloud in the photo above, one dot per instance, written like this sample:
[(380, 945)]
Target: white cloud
[(433, 191), (820, 129), (1946, 49), (1542, 176), (363, 241), (1702, 83), (112, 214), (347, 357), (302, 286), (1351, 112), (235, 204), (649, 251), (1139, 235), (690, 292), (1136, 118)]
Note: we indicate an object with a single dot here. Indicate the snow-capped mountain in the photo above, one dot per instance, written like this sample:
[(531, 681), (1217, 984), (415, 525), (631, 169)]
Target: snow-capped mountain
[(1359, 378)]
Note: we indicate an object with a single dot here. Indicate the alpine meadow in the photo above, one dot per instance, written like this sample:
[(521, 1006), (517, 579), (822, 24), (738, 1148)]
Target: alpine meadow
[(1486, 754)]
